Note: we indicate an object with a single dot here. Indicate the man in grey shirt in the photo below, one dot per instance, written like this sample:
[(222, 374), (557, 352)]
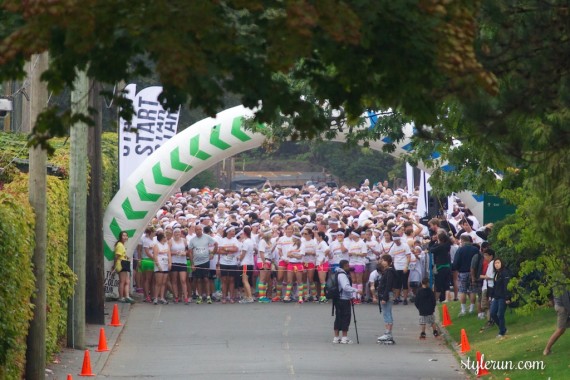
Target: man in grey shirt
[(202, 249)]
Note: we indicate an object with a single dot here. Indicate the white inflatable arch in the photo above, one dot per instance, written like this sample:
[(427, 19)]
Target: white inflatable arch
[(190, 152)]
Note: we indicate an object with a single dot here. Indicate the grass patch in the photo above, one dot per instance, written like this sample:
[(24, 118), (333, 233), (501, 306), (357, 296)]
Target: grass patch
[(524, 343)]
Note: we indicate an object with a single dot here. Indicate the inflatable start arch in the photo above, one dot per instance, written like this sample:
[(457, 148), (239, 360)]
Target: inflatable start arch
[(190, 152)]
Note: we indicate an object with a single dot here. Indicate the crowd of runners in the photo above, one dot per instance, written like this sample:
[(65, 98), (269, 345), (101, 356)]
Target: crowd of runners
[(279, 245)]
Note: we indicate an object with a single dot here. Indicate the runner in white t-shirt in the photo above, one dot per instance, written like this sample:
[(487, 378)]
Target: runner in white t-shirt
[(322, 262), (246, 263), (264, 260), (295, 269), (284, 245), (357, 252), (309, 250), (401, 254)]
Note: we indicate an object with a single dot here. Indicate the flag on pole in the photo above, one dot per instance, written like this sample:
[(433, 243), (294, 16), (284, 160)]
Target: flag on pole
[(423, 199), (410, 177)]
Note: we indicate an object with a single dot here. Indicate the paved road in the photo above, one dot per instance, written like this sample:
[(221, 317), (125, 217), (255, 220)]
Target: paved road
[(276, 341)]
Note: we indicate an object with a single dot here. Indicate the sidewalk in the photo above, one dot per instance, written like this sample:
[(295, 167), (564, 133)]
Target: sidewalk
[(70, 361)]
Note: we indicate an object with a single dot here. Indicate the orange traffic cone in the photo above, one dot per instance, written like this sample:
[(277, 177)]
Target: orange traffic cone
[(115, 317), (481, 367), (446, 319), (465, 347), (86, 370), (69, 377), (102, 341)]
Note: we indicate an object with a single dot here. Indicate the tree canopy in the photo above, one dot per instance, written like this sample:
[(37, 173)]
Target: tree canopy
[(490, 74)]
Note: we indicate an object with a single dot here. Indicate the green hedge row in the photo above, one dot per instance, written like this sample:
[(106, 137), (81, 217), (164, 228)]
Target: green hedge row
[(16, 249)]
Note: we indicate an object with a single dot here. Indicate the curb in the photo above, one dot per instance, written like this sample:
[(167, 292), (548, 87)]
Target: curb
[(70, 361)]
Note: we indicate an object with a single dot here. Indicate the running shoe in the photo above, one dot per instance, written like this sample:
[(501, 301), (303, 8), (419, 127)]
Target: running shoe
[(176, 300), (155, 301), (423, 335), (147, 299), (323, 299), (386, 336), (186, 301), (405, 302), (336, 339), (209, 300), (286, 300), (264, 300), (276, 299), (435, 333), (163, 302), (346, 341), (198, 300), (461, 314), (129, 300), (300, 301), (122, 299)]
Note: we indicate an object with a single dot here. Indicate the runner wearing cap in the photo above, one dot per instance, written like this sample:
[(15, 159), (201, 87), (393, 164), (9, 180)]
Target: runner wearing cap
[(401, 255)]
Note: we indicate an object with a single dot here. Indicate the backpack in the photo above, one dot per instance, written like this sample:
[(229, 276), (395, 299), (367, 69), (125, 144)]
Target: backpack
[(332, 292)]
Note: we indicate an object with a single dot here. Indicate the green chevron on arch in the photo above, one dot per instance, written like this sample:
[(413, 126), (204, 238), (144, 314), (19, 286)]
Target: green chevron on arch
[(215, 138), (144, 195), (195, 149), (116, 229), (237, 131), (130, 213), (159, 179), (108, 252), (176, 163)]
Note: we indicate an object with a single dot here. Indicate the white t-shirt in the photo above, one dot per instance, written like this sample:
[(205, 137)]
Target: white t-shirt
[(267, 250), (337, 253), (309, 249), (400, 255), (372, 245), (229, 258), (374, 275), (489, 283), (214, 262), (296, 251), (148, 244), (385, 247), (162, 257), (284, 245), (321, 250), (357, 252), (247, 247)]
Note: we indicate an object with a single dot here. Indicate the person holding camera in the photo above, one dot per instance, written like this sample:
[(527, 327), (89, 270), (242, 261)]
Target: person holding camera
[(342, 305)]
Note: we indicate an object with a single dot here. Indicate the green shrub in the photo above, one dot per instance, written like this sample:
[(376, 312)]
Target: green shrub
[(17, 244)]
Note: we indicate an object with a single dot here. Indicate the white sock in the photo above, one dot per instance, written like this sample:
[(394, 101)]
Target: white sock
[(471, 308), (463, 308)]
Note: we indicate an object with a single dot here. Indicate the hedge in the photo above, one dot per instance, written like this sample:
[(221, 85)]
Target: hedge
[(17, 243), (16, 247)]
